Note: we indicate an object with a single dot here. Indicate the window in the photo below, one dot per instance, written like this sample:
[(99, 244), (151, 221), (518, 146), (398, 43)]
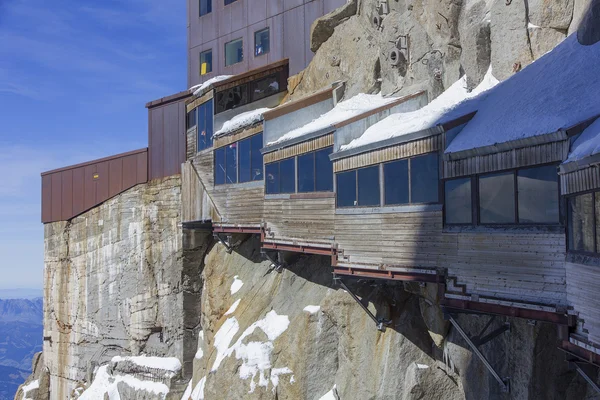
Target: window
[(538, 195), (522, 196), (265, 87), (234, 52), (243, 94), (206, 62), (315, 171), (204, 116), (205, 7), (413, 180), (227, 2), (457, 202), (358, 187), (191, 118), (232, 98), (240, 161), (281, 176), (261, 42), (582, 220), (497, 198)]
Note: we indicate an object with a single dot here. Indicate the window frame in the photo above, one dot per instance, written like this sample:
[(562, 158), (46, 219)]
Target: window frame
[(269, 36), (355, 171), (228, 2), (409, 181), (209, 2), (237, 164), (475, 199), (240, 39), (212, 116), (211, 61), (567, 199)]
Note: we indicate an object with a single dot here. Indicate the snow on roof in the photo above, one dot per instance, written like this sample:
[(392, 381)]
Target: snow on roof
[(557, 91), (344, 110), (198, 89), (171, 364), (587, 144), (242, 120), (447, 106)]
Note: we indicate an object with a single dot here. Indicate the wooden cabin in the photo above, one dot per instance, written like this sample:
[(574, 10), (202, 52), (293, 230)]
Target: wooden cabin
[(222, 180)]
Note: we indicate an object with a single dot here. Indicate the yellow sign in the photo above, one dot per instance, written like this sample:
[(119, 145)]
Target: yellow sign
[(96, 176), (203, 68)]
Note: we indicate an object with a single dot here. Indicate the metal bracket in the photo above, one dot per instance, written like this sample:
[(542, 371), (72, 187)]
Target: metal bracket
[(278, 264), (504, 383), (585, 376), (480, 340), (381, 323), (225, 241)]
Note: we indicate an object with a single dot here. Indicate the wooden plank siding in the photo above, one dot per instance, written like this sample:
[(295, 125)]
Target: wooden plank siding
[(402, 150), (244, 133), (300, 148), (191, 143), (583, 295), (527, 267), (581, 180), (196, 205), (515, 158), (304, 220)]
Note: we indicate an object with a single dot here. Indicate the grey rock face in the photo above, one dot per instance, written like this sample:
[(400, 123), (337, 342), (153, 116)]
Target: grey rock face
[(555, 14), (544, 39), (322, 28)]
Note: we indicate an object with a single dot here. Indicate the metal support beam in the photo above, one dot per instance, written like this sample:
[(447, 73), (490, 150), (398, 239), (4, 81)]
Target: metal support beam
[(480, 339), (278, 265), (381, 323), (224, 241), (504, 384), (585, 376)]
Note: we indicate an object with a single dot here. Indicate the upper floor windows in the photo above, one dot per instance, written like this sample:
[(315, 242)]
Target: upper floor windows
[(202, 119), (234, 52), (205, 7), (523, 196), (261, 42), (240, 95), (407, 181), (227, 2), (240, 161), (206, 62), (305, 173)]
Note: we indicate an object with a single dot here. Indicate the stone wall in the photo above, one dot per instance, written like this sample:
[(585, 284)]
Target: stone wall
[(116, 281)]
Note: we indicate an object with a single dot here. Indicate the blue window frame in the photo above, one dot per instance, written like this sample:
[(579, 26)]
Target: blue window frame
[(395, 182), (358, 188), (204, 116), (240, 161), (281, 176), (315, 171), (306, 173), (346, 189)]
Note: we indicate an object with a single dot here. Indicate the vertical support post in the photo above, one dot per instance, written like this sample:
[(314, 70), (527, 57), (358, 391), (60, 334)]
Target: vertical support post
[(587, 379)]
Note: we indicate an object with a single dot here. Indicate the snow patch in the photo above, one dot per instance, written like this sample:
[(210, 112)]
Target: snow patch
[(33, 385), (199, 352), (171, 364), (344, 110), (198, 89), (233, 307), (532, 26), (188, 391), (587, 144), (275, 372), (443, 108), (422, 366), (241, 120), (331, 395), (198, 393), (312, 309), (222, 340), (104, 383), (236, 285)]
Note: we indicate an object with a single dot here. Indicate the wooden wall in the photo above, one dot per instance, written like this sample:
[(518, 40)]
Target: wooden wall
[(196, 205), (581, 180), (583, 294)]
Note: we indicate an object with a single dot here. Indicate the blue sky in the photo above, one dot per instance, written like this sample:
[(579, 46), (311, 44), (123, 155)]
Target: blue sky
[(74, 78)]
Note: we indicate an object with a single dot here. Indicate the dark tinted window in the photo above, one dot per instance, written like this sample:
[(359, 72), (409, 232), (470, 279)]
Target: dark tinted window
[(368, 186), (231, 163), (220, 166), (287, 176), (306, 173), (205, 125), (206, 62), (457, 203), (227, 2), (232, 98), (261, 42), (272, 178), (395, 176), (581, 223), (191, 118), (205, 7), (538, 195), (346, 189), (497, 198), (234, 52), (256, 158), (424, 179), (244, 160), (323, 170), (265, 87)]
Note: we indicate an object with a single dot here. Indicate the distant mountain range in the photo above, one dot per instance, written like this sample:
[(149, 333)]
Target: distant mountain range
[(21, 293), (21, 330)]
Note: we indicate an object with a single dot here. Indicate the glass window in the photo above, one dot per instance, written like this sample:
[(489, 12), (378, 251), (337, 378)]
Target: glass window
[(395, 177), (231, 163), (272, 178), (261, 42), (324, 170), (424, 179), (227, 2), (346, 189), (287, 175), (581, 223), (457, 202), (205, 7), (256, 157), (265, 87), (206, 62), (306, 173), (220, 166), (368, 186), (234, 52), (232, 98), (191, 118), (205, 125), (538, 195), (244, 160), (497, 198)]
